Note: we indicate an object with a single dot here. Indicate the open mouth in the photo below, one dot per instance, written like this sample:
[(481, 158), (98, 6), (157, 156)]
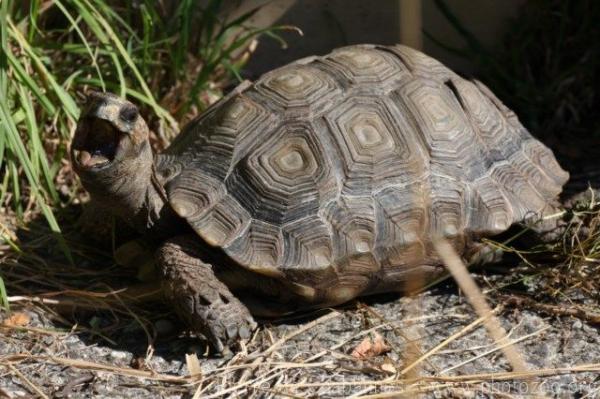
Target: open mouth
[(97, 144)]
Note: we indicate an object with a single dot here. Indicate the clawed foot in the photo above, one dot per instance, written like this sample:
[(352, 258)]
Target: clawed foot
[(200, 298), (225, 322)]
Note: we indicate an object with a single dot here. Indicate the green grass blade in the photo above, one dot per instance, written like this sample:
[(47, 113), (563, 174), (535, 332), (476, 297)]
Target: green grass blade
[(82, 37), (111, 86), (4, 47), (4, 188), (16, 185), (16, 144), (67, 101), (4, 295), (161, 112), (36, 147), (34, 12), (24, 77), (2, 149), (54, 50)]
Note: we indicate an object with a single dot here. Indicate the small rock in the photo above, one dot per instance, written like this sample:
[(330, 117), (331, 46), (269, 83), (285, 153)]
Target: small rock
[(119, 355)]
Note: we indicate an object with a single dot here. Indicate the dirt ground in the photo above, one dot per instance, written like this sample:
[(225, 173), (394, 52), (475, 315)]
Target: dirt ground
[(309, 357), (72, 334)]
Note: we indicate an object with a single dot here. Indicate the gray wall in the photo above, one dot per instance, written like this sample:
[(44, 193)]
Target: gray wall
[(333, 23)]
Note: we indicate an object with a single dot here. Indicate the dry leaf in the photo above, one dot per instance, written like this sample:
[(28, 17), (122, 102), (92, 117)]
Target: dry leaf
[(370, 347), (17, 319)]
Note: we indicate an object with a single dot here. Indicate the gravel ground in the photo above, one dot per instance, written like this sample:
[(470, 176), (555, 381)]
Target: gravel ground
[(314, 363), (54, 352)]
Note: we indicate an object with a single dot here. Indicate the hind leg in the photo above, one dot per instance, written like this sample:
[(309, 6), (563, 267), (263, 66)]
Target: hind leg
[(199, 297)]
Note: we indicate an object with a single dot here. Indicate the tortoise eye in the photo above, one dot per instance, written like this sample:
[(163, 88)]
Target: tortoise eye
[(128, 114)]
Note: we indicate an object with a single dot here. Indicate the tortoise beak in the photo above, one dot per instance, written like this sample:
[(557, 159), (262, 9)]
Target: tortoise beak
[(96, 144), (102, 130)]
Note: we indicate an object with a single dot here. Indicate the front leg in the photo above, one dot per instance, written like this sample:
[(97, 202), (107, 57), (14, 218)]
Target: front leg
[(198, 297)]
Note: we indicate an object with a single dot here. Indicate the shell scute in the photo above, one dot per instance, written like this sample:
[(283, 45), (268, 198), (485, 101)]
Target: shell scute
[(335, 172)]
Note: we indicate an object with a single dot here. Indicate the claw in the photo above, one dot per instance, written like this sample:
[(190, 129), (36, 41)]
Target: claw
[(232, 331), (244, 333), (252, 323), (227, 353), (219, 347)]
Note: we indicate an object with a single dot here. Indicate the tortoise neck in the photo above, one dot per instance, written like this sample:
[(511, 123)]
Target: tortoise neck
[(150, 213), (131, 191), (145, 208), (137, 200)]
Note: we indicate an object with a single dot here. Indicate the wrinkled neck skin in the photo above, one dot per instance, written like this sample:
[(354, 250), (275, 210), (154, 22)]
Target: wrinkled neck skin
[(130, 192)]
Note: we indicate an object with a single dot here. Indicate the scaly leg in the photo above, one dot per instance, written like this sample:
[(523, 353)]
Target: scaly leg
[(199, 298)]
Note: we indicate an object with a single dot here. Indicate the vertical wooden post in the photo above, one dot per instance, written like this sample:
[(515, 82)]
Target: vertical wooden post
[(411, 23)]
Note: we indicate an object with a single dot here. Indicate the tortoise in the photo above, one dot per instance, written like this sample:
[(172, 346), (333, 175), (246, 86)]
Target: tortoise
[(324, 180)]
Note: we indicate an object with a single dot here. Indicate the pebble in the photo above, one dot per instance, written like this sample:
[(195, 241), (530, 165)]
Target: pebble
[(119, 355)]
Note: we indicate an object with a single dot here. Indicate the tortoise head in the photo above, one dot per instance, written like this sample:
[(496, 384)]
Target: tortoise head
[(110, 151), (109, 133)]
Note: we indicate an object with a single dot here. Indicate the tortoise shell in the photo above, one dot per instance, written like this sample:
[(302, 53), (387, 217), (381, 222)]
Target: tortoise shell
[(334, 172)]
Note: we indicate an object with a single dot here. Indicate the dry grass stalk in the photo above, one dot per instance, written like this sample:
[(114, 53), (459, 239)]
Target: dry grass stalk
[(27, 382), (299, 331), (468, 378), (193, 365), (406, 358), (33, 330), (555, 310), (466, 283), (514, 375), (476, 298), (444, 343), (258, 359), (412, 352), (591, 394), (495, 349), (86, 365)]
